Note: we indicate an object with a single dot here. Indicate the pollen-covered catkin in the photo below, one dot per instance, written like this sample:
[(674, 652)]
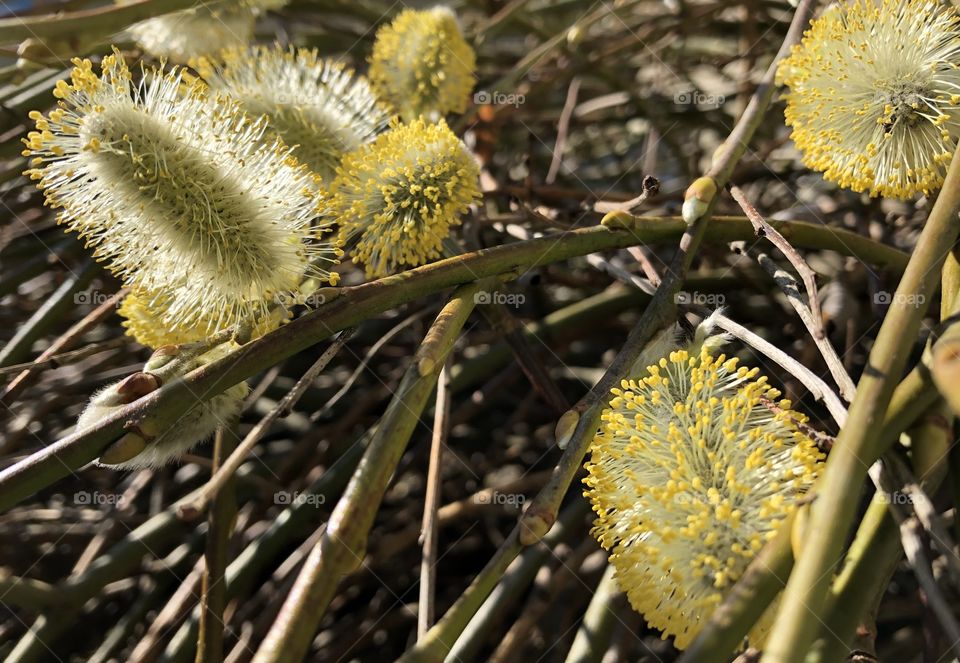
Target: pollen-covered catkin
[(179, 192), (694, 469), (318, 106), (422, 65), (874, 95), (398, 196)]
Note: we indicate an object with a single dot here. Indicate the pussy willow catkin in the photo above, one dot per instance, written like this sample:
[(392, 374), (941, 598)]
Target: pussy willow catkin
[(874, 97), (156, 442), (143, 318), (398, 197), (316, 105), (180, 194), (422, 65), (694, 469)]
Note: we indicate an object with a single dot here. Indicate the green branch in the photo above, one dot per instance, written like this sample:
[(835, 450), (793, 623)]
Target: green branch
[(359, 303), (837, 493), (343, 544)]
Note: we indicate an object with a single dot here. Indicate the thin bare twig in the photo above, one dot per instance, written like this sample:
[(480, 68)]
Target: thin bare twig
[(563, 126), (232, 464), (809, 277), (809, 313), (649, 188), (430, 529)]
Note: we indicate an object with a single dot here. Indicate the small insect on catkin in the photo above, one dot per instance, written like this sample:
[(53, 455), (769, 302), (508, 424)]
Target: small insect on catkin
[(321, 108), (422, 65), (874, 97), (202, 30), (156, 442), (399, 195), (694, 469), (179, 193)]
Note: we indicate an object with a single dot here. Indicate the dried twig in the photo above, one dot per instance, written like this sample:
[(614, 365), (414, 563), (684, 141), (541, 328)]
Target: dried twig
[(431, 503)]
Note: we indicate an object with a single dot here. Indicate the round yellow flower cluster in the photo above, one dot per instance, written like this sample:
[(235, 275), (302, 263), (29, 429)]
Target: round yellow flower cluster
[(422, 65), (874, 97), (399, 195), (694, 469)]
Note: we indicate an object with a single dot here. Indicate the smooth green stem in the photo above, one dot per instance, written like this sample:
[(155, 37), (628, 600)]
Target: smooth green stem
[(356, 304), (63, 298), (593, 637), (343, 544), (835, 507), (96, 22)]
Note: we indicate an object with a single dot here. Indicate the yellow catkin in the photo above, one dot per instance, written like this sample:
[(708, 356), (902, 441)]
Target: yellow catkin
[(695, 467), (143, 318), (422, 65), (398, 196), (874, 94)]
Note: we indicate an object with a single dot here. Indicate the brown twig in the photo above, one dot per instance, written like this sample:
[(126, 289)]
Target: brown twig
[(431, 503), (563, 126), (230, 466)]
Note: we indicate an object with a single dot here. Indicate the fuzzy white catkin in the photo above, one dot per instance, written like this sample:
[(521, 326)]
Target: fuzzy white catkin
[(180, 193), (167, 441), (318, 106)]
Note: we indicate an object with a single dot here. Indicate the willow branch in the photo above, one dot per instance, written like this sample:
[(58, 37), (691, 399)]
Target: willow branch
[(342, 546), (359, 303), (833, 511)]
